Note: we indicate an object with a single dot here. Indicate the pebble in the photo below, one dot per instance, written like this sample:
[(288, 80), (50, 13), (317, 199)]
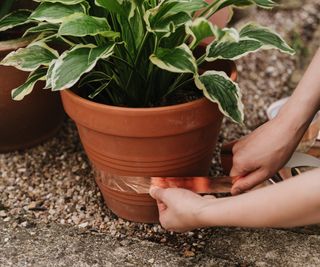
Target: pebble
[(188, 253), (3, 213), (57, 176), (83, 225)]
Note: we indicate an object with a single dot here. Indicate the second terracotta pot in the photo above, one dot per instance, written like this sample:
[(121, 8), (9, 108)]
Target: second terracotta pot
[(30, 121), (167, 141)]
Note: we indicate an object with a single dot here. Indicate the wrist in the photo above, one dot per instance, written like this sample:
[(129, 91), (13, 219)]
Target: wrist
[(211, 214), (294, 121)]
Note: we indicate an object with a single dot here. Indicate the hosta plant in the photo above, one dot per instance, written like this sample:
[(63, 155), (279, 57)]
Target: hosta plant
[(135, 53)]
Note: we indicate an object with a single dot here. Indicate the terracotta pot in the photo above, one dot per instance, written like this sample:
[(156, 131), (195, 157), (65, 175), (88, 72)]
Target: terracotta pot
[(166, 141), (29, 122)]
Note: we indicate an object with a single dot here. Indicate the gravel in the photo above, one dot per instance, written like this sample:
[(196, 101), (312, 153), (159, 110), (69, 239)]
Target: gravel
[(53, 182)]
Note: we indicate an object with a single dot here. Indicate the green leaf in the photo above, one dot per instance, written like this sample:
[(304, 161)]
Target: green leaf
[(16, 18), (112, 6), (31, 57), (49, 74), (268, 38), (177, 60), (231, 50), (26, 88), (55, 12), (188, 6), (220, 89), (165, 18), (240, 3), (133, 36), (65, 2), (83, 25), (72, 64), (199, 29), (42, 27)]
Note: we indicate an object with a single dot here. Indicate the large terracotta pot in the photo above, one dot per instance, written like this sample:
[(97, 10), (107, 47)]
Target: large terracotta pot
[(166, 141), (31, 121)]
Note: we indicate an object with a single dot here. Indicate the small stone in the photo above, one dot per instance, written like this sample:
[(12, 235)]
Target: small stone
[(83, 225), (6, 239), (24, 224), (6, 219), (188, 254), (32, 205), (3, 214), (151, 261)]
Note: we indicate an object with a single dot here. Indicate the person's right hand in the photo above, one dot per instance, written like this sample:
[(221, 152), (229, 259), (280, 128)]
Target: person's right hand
[(262, 153)]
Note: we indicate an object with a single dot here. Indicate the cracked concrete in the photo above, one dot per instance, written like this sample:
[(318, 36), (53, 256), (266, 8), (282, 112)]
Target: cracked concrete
[(56, 245)]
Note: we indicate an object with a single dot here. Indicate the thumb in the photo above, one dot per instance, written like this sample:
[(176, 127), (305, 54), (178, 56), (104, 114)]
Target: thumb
[(248, 182), (158, 194)]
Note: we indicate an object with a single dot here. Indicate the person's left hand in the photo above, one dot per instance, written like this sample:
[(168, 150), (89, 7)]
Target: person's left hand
[(179, 209)]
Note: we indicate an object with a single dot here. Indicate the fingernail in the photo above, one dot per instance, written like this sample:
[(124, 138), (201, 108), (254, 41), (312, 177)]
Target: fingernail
[(153, 189)]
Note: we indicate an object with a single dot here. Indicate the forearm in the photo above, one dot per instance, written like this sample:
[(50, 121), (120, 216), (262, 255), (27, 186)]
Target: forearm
[(295, 202), (305, 101)]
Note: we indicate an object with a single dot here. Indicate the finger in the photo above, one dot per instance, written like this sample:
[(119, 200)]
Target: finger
[(157, 193), (227, 148), (248, 182), (238, 172)]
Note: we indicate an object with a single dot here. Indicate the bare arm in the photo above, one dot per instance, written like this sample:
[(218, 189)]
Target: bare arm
[(305, 101), (295, 202), (262, 153)]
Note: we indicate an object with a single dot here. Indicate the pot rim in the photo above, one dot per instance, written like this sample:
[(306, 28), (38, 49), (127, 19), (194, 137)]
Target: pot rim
[(233, 75)]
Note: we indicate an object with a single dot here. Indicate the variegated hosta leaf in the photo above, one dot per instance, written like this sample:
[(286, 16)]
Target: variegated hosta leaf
[(133, 37), (220, 89), (240, 3), (162, 20), (65, 2), (31, 57), (252, 38), (231, 50), (199, 29), (112, 6), (14, 19), (179, 59), (55, 12), (268, 38), (49, 74), (42, 27), (83, 25), (188, 6), (167, 25), (72, 64), (26, 88)]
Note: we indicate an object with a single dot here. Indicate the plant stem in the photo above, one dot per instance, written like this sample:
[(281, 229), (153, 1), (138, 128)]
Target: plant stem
[(209, 7), (175, 84), (130, 66), (5, 9), (137, 59)]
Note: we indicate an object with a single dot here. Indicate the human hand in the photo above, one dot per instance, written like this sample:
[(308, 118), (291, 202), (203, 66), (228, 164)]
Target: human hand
[(179, 208), (262, 153)]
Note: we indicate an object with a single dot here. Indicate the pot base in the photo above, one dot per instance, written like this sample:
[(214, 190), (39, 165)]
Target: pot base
[(133, 207)]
